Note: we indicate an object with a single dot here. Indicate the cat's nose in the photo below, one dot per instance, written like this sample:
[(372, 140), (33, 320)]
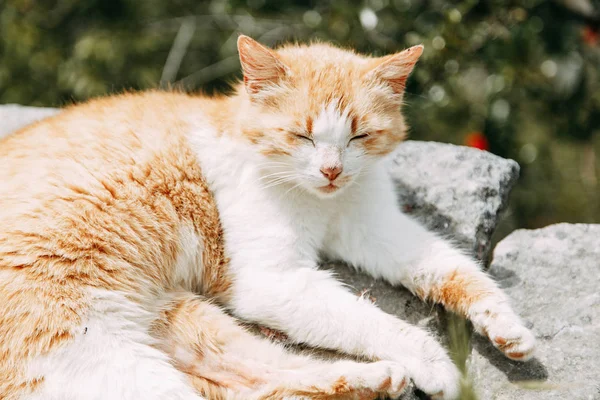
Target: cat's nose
[(332, 172)]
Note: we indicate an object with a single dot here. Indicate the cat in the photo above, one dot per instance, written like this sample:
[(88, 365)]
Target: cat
[(132, 226)]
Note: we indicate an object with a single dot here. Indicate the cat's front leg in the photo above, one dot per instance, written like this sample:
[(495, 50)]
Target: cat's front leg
[(376, 237), (313, 308)]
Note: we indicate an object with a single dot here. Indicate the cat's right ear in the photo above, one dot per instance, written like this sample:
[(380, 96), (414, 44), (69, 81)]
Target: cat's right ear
[(263, 70)]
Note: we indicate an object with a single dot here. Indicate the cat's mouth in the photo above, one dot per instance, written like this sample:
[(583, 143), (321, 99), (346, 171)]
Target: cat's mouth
[(328, 188), (334, 186)]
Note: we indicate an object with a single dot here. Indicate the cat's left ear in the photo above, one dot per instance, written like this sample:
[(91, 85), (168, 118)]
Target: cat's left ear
[(395, 69), (262, 68)]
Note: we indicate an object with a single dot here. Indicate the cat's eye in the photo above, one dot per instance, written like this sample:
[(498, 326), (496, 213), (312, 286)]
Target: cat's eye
[(359, 137), (304, 137)]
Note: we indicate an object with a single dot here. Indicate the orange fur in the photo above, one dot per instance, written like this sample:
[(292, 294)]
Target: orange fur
[(457, 292), (225, 364), (108, 218), (368, 89)]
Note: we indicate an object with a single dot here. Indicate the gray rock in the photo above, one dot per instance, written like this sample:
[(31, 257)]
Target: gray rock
[(13, 117), (553, 277), (455, 190)]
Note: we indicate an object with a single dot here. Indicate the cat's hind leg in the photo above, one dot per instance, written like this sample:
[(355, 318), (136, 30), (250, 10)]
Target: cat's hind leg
[(111, 356), (224, 361)]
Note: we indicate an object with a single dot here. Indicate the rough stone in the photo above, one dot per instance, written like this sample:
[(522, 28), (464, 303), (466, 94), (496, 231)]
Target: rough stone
[(552, 276), (454, 190), (13, 117)]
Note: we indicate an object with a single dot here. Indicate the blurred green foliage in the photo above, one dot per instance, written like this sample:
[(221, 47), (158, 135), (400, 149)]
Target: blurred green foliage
[(523, 73)]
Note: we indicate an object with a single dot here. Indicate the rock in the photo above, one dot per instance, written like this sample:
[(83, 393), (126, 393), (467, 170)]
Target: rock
[(454, 190), (552, 276), (13, 116)]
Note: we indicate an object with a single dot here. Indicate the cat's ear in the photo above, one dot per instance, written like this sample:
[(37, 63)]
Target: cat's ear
[(395, 69), (262, 68)]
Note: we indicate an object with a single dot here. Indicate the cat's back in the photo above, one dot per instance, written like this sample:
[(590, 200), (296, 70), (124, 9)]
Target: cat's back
[(105, 179), (101, 135), (87, 146)]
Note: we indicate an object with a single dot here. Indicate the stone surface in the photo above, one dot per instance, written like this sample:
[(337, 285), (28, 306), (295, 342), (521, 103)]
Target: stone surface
[(552, 276), (13, 117), (455, 190)]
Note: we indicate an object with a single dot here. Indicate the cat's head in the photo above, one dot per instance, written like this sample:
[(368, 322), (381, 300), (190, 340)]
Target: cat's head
[(322, 115)]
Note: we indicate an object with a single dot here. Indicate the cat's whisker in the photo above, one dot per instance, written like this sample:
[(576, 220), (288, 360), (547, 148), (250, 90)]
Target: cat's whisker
[(291, 177), (283, 173), (276, 177), (278, 182), (272, 164), (290, 189), (274, 180)]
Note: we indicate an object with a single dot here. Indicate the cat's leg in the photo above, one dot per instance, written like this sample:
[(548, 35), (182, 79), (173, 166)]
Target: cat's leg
[(376, 237), (224, 361), (111, 356), (311, 307)]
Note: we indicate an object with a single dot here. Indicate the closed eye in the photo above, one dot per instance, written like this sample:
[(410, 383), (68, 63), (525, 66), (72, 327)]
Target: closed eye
[(359, 137), (304, 137)]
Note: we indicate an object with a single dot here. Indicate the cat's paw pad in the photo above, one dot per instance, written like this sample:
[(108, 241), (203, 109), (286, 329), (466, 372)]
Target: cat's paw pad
[(440, 379), (509, 336), (382, 377)]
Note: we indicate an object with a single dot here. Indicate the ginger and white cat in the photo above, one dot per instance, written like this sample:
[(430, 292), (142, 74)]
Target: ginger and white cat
[(126, 222)]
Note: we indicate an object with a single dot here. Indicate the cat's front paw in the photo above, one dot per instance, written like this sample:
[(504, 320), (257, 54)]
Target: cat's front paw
[(440, 379), (428, 364), (507, 334), (381, 377)]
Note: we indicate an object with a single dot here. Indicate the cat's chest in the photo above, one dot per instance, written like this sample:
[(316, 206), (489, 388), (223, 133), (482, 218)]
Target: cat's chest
[(250, 214), (310, 223)]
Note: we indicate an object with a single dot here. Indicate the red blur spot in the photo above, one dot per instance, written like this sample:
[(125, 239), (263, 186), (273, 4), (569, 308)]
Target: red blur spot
[(591, 36), (477, 140)]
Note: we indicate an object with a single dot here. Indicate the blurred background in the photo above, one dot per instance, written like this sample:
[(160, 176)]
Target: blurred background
[(518, 78)]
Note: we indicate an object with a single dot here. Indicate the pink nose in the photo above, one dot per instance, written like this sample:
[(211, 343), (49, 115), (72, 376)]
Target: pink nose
[(331, 172)]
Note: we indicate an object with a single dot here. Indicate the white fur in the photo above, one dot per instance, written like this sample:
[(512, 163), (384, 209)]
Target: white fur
[(331, 148), (189, 257), (112, 357), (274, 234)]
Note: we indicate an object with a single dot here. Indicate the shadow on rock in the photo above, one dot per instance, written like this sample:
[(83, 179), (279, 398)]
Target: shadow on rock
[(532, 370)]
